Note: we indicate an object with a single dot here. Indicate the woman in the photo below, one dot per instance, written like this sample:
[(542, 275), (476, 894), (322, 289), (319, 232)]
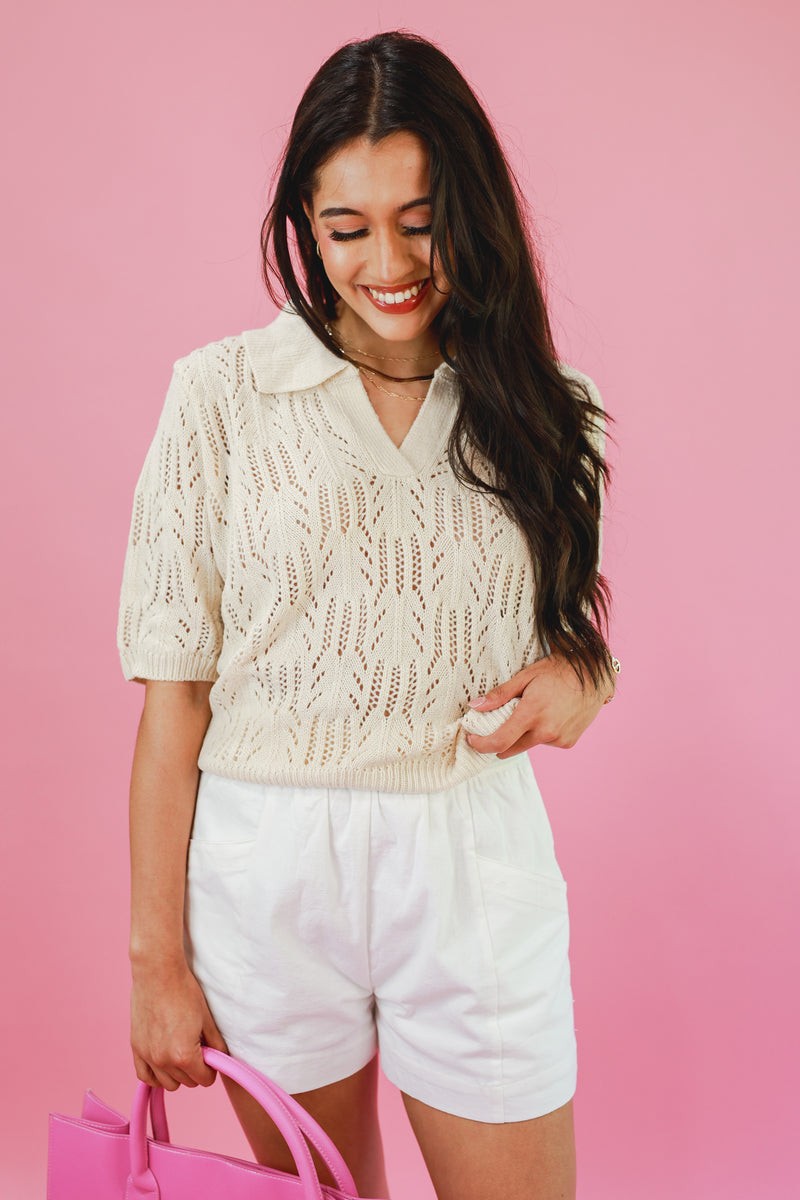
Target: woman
[(362, 580)]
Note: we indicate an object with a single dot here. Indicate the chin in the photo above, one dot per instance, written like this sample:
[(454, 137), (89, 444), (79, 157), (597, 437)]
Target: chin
[(400, 328)]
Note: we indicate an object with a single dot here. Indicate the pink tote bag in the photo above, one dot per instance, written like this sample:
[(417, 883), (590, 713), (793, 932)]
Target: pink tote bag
[(102, 1156)]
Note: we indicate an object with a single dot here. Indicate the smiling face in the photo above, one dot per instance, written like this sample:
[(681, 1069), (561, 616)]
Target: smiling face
[(371, 215)]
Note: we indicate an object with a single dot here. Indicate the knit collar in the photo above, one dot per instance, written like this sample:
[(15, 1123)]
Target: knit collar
[(285, 356)]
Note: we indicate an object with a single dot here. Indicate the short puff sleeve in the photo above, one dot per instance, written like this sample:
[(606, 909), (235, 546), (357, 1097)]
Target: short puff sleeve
[(170, 625)]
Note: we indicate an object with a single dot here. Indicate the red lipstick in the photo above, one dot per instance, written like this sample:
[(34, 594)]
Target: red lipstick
[(398, 307)]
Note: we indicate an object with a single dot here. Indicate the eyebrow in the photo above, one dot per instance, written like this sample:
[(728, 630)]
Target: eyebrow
[(420, 202)]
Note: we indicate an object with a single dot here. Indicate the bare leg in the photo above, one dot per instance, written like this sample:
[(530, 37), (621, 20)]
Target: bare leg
[(474, 1160), (348, 1112)]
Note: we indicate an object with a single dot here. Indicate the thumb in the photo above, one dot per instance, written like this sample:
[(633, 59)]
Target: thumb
[(212, 1036), (501, 694), (492, 699)]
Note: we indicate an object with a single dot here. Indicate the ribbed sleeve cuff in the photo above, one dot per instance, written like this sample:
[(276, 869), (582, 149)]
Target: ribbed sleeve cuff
[(171, 668)]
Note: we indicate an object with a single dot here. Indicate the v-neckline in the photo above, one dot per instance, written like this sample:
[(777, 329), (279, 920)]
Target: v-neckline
[(421, 446)]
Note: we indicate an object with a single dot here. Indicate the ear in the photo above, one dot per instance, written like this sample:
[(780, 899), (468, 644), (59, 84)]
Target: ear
[(310, 214)]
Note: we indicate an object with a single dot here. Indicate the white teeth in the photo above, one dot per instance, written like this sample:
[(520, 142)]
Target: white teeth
[(396, 297)]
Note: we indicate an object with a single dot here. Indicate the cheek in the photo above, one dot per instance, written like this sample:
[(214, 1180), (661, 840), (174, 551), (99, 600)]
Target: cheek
[(342, 260)]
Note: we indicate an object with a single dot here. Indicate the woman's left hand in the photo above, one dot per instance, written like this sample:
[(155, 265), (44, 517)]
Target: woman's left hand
[(553, 710)]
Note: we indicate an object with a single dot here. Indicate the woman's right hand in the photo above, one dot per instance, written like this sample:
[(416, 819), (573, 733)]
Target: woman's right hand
[(170, 1023)]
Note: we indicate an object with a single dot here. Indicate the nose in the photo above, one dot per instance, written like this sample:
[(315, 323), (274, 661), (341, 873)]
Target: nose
[(392, 258)]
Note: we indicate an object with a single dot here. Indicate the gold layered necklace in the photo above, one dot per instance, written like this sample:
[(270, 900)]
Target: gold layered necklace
[(368, 371), (381, 357), (371, 372), (383, 375)]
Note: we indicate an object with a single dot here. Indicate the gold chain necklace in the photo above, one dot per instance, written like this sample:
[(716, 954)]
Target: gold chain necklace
[(381, 357), (383, 375), (399, 395)]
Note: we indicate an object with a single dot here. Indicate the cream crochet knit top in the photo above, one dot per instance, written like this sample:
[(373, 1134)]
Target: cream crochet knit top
[(346, 597)]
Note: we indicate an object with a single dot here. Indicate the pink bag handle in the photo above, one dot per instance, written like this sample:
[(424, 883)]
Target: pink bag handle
[(158, 1115), (313, 1131), (291, 1119), (308, 1126)]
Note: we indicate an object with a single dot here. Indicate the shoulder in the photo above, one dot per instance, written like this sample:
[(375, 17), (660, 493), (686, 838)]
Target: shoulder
[(213, 366), (283, 356), (213, 377), (585, 383), (587, 389), (204, 391), (221, 357)]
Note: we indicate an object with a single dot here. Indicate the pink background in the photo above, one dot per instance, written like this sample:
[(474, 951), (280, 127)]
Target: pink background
[(656, 145)]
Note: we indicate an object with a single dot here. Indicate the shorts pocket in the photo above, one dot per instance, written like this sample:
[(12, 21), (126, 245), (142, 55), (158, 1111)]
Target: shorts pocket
[(513, 842), (215, 885), (215, 874), (526, 887), (207, 857), (526, 918)]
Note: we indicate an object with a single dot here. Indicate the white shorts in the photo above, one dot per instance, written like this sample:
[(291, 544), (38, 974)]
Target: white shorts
[(324, 924)]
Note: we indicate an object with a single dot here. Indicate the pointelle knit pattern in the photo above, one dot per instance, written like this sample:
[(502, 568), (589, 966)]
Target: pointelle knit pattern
[(346, 597)]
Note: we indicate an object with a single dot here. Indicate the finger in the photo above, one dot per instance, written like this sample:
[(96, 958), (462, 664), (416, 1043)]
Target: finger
[(212, 1037), (201, 1072), (164, 1079), (490, 743), (165, 1071), (515, 735), (561, 742), (197, 1069), (503, 692), (505, 736), (525, 743), (186, 1074), (189, 1068), (183, 1078), (173, 1070), (143, 1072)]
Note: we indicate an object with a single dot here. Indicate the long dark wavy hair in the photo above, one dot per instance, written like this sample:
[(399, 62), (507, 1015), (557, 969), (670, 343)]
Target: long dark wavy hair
[(534, 427)]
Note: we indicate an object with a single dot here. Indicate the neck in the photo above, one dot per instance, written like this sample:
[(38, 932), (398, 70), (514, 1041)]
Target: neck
[(350, 328)]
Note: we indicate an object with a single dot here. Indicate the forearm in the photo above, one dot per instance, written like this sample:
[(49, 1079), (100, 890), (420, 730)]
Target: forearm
[(163, 792)]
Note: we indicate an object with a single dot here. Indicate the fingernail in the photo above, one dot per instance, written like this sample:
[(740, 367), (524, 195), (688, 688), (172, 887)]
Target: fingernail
[(477, 703)]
